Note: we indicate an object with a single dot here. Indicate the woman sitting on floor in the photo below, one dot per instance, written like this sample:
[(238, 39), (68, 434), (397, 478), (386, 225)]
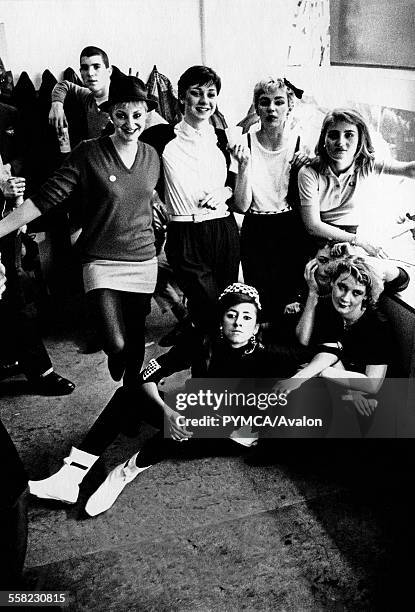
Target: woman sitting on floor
[(352, 339), (317, 272), (233, 352)]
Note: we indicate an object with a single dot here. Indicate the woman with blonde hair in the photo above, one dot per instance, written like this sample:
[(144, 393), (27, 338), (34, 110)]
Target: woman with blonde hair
[(331, 186), (267, 168), (352, 341)]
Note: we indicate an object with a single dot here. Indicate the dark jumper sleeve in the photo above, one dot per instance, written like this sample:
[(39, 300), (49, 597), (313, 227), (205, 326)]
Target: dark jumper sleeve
[(62, 182), (179, 357), (399, 283)]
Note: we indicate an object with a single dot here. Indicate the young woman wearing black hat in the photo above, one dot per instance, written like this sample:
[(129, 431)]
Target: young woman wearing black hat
[(116, 176)]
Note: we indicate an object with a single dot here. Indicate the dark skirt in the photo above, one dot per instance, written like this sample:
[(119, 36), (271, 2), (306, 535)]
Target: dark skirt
[(274, 251)]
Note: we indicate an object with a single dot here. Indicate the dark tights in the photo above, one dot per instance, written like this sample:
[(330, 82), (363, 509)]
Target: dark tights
[(124, 413), (121, 318)]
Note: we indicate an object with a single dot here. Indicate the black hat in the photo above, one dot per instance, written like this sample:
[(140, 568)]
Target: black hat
[(128, 89)]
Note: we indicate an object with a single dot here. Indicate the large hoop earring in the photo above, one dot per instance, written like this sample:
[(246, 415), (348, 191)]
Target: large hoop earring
[(251, 346)]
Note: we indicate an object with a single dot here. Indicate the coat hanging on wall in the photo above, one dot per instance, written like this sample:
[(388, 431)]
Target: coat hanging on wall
[(218, 120), (46, 86), (70, 75), (48, 145), (24, 93), (116, 73), (10, 135), (25, 100), (159, 86), (6, 84)]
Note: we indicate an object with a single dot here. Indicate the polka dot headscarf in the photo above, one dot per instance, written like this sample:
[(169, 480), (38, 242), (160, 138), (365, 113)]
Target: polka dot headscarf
[(242, 289)]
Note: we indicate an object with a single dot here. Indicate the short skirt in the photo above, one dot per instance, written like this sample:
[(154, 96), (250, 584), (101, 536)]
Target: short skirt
[(131, 276)]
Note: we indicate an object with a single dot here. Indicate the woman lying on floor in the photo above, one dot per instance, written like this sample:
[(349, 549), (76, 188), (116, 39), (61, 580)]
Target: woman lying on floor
[(232, 353)]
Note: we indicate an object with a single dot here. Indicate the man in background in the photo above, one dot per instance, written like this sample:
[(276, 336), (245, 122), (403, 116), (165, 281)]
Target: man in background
[(96, 73)]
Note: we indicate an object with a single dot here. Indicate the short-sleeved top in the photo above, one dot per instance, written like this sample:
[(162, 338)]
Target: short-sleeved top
[(368, 341), (270, 171), (338, 199), (116, 200), (194, 163)]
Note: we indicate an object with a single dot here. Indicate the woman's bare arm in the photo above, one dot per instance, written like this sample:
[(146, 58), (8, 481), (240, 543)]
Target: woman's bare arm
[(20, 216), (370, 382)]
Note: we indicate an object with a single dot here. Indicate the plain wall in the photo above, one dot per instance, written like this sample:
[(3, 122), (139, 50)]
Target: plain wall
[(244, 41), (50, 34)]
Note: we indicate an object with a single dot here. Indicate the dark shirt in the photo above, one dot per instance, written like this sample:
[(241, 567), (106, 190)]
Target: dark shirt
[(216, 360), (397, 284), (368, 341)]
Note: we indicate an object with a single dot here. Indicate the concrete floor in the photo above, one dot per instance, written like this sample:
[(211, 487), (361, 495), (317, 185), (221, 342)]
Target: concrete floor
[(321, 525)]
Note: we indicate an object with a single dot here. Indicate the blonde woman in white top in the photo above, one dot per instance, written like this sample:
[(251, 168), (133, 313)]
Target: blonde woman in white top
[(263, 192)]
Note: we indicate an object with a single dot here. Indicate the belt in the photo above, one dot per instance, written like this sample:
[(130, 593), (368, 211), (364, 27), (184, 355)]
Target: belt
[(269, 212), (199, 217)]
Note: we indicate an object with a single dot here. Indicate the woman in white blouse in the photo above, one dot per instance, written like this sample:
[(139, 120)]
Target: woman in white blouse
[(202, 237)]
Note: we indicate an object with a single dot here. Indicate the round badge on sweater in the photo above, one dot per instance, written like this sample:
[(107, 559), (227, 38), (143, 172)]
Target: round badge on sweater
[(113, 178)]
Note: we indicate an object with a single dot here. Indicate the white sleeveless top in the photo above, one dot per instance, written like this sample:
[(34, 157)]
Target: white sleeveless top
[(270, 175)]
